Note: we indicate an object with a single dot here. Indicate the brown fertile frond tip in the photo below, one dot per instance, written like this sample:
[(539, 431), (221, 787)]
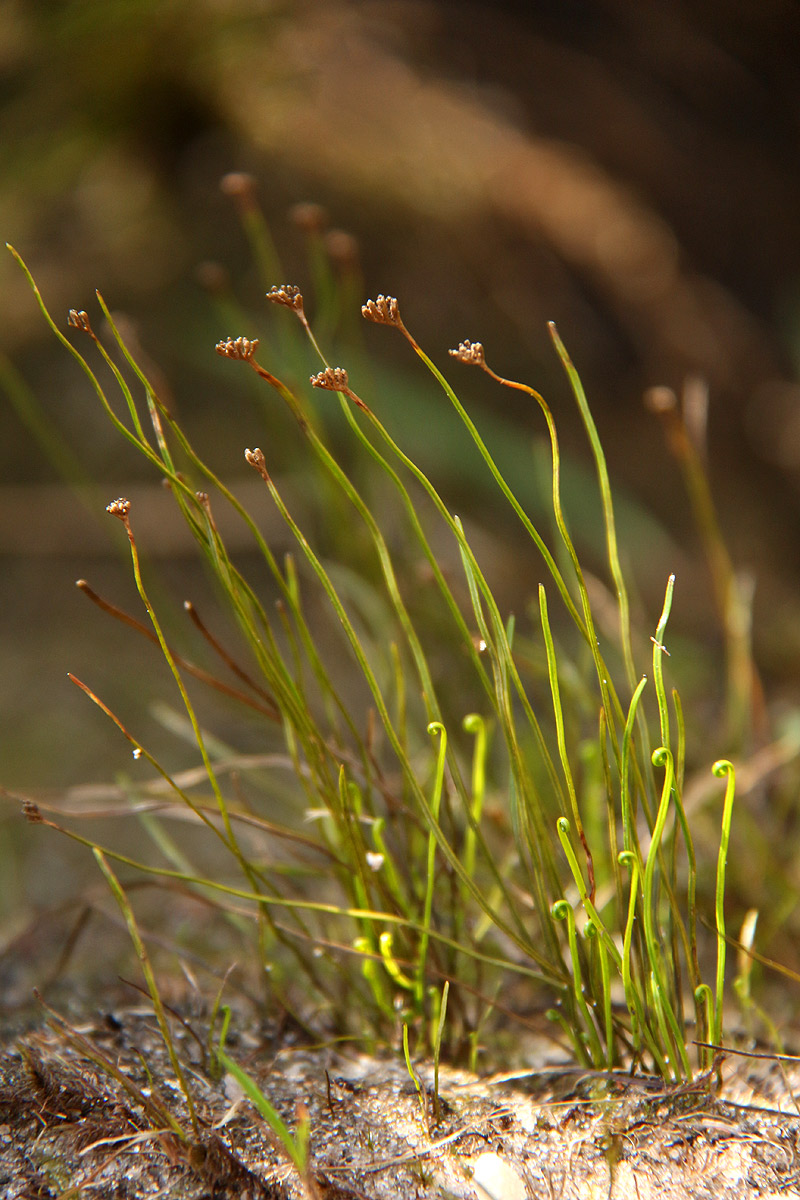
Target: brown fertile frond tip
[(383, 311), (470, 353), (333, 379), (240, 348), (288, 294), (119, 508), (79, 320), (31, 812), (310, 217), (256, 459), (660, 400)]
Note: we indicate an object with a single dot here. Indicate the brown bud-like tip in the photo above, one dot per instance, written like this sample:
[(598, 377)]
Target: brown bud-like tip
[(470, 353), (660, 399), (240, 348), (212, 276), (288, 294), (342, 249), (119, 508), (79, 320), (383, 311), (237, 183), (311, 218), (333, 379)]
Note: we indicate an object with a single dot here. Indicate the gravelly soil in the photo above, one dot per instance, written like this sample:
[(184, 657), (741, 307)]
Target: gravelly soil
[(68, 1127)]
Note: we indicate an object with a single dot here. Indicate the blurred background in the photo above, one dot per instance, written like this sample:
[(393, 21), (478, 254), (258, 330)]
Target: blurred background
[(628, 170)]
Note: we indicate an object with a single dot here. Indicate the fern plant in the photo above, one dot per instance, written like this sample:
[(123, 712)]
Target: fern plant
[(486, 815)]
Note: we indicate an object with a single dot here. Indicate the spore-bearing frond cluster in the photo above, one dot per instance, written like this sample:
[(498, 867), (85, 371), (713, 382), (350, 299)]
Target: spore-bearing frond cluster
[(241, 348)]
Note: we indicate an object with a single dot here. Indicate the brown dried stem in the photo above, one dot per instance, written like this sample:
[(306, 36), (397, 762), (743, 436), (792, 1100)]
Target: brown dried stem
[(268, 708)]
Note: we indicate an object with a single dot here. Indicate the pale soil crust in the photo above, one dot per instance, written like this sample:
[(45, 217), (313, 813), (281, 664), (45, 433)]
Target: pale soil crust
[(70, 1129)]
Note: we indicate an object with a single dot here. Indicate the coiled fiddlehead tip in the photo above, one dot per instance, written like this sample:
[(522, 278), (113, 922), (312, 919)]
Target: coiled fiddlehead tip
[(661, 757)]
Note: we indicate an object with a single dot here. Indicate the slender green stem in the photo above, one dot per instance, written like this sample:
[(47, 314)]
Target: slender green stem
[(562, 911), (628, 858), (606, 690), (437, 1045), (563, 830), (198, 733), (150, 979), (415, 1079), (316, 906), (475, 724), (447, 850), (607, 502), (722, 769), (660, 991), (630, 838), (555, 692), (659, 649), (295, 1145), (688, 841), (704, 1015), (528, 525), (605, 990), (434, 729)]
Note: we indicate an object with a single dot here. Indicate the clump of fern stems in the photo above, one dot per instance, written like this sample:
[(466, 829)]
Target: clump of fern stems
[(490, 819)]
